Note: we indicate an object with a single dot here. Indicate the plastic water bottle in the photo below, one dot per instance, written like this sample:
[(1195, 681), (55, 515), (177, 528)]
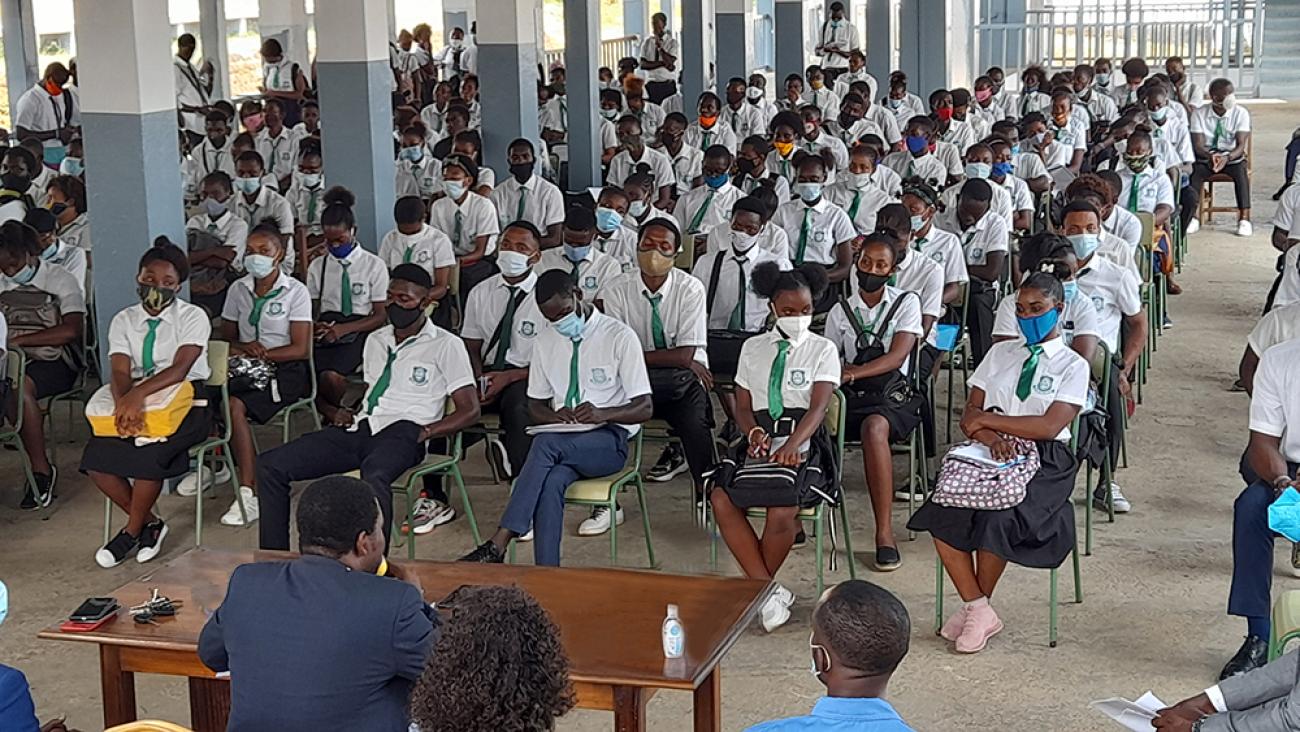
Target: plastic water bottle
[(674, 636)]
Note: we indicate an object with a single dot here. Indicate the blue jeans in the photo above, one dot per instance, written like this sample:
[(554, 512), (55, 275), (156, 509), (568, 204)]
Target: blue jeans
[(555, 461), (1252, 551)]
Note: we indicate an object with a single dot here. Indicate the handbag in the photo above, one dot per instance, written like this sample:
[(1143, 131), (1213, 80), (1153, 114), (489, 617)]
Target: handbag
[(982, 485), (891, 387), (163, 412), (246, 374), (723, 345), (759, 482)]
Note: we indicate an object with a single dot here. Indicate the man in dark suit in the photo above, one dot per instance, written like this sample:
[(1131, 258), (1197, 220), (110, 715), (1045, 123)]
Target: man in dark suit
[(321, 642)]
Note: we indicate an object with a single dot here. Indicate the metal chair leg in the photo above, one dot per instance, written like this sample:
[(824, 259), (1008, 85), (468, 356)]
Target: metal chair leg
[(645, 522), (464, 501)]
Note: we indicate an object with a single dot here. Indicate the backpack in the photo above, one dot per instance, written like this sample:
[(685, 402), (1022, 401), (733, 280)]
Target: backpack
[(29, 310)]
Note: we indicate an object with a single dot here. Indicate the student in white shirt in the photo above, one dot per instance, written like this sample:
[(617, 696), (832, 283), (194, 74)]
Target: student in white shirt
[(640, 190), (589, 369), (152, 346), (256, 202), (913, 271), (469, 144), (612, 237), (66, 199), (1115, 219), (857, 71), (590, 268), (1031, 391), (306, 195), (1002, 172), (418, 173), (55, 251), (277, 144), (412, 368), (650, 115), (1027, 166), (659, 53), (1080, 326), (267, 319), (1068, 133), (985, 241), (703, 208), (1101, 107), (687, 159), (215, 262), (783, 426), (787, 129), (415, 242), (816, 142), (526, 196), (18, 169), (818, 95), (1032, 96), (282, 79), (48, 111), (214, 152), (1278, 325), (743, 118), (751, 169), (192, 87), (854, 192), (310, 124), (771, 237), (1145, 188), (986, 110), (882, 177), (756, 96), (468, 219), (710, 128), (917, 161), (633, 156), (979, 166), (838, 38), (1220, 136), (903, 104), (819, 231), (850, 126), (943, 247), (947, 127), (1135, 71)]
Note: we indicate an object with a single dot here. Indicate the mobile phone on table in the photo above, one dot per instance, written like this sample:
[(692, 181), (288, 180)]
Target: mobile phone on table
[(94, 609)]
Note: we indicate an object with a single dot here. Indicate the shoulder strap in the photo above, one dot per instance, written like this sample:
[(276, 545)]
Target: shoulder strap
[(713, 283), (883, 325), (496, 334)]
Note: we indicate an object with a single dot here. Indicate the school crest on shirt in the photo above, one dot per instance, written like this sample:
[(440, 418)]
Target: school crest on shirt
[(598, 376), (977, 252), (1045, 384), (589, 282), (1098, 303), (358, 288), (937, 256), (798, 378), (275, 309), (423, 257), (819, 237), (528, 329), (419, 376)]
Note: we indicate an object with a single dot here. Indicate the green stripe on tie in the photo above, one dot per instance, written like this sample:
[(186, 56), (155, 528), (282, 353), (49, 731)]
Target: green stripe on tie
[(803, 237), (255, 315), (775, 406), (573, 397), (1026, 383), (150, 338), (656, 320), (381, 384)]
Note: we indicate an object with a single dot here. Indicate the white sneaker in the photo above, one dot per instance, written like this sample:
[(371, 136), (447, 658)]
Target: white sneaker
[(1193, 226), (1244, 228), (233, 517), (599, 521), (776, 611), (189, 485), (1122, 504), (430, 514)]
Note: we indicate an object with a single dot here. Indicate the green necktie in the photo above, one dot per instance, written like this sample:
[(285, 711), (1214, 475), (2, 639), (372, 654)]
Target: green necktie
[(656, 320), (275, 77), (345, 296), (918, 243), (1026, 383), (708, 136), (911, 168), (853, 207), (803, 237), (458, 229), (507, 330), (1133, 193), (775, 407), (785, 168), (406, 255), (576, 265), (694, 228), (146, 355), (311, 206), (519, 210), (1218, 133), (255, 315), (381, 384), (737, 320), (574, 395)]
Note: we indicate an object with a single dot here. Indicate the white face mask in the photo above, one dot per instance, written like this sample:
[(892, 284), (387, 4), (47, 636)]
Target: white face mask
[(795, 327), (637, 208), (754, 92), (859, 181), (1230, 101), (513, 264), (742, 242)]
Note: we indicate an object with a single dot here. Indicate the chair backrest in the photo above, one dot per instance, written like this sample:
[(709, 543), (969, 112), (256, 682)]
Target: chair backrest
[(1146, 243), (453, 283), (686, 257), (218, 363)]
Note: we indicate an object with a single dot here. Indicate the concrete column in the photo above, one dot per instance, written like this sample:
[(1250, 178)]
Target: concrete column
[(735, 39), (212, 32), (21, 71), (391, 10), (507, 54), (879, 37), (942, 29), (581, 60), (791, 23), (286, 21), (354, 95), (128, 118), (697, 44), (635, 18)]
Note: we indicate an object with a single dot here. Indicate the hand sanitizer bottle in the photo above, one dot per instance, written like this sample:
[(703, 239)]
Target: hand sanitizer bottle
[(674, 637)]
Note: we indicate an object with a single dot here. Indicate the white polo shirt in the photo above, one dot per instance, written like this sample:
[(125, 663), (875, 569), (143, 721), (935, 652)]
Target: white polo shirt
[(594, 272), (828, 226), (542, 202), (1220, 132), (422, 178), (823, 99), (887, 121), (888, 181), (266, 204), (39, 111), (1285, 216), (650, 51), (619, 244), (1100, 106), (773, 238), (1114, 293), (651, 118), (1153, 189), (1019, 105), (945, 249), (1120, 252), (869, 200), (990, 234), (1289, 291), (999, 204), (681, 310), (1173, 143), (928, 167), (611, 366), (209, 158), (847, 78), (661, 167), (1068, 139), (702, 208), (1029, 165), (745, 121), (719, 134), (922, 275), (287, 302), (1278, 325), (1060, 376), (1275, 401), (1078, 319), (1018, 190), (813, 359), (688, 164), (308, 204), (826, 141), (279, 76), (279, 152), (429, 367), (960, 134), (478, 218), (781, 167), (72, 259), (907, 319), (77, 232), (229, 228), (840, 35), (485, 310), (181, 324), (1124, 224), (366, 272), (56, 281), (427, 247), (734, 280)]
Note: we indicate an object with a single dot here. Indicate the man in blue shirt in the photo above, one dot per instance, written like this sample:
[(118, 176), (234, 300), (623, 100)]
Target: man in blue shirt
[(860, 635)]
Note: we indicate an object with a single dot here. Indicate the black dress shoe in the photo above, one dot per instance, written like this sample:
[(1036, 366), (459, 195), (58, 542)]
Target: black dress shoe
[(800, 539), (1252, 655), (485, 553)]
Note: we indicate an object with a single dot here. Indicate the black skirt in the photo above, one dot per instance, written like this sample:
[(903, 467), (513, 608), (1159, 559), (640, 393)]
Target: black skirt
[(51, 377), (1038, 533), (903, 418), (341, 358), (293, 383), (156, 460)]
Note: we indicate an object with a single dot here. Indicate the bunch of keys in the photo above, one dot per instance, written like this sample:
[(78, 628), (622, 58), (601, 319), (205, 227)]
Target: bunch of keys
[(158, 606)]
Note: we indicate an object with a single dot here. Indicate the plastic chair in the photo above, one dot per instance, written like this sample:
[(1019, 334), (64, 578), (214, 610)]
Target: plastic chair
[(218, 365), (1286, 623), (15, 373), (307, 403), (413, 480)]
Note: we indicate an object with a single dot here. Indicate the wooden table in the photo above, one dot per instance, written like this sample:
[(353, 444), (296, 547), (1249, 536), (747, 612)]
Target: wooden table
[(609, 619)]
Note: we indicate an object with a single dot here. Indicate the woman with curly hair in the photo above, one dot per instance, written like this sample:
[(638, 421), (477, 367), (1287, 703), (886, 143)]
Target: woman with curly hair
[(499, 666)]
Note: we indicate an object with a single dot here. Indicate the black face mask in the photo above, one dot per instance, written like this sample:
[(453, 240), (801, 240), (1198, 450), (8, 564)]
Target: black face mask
[(522, 171), (847, 120), (58, 208), (403, 318), (155, 298), (871, 282), (745, 166), (15, 182)]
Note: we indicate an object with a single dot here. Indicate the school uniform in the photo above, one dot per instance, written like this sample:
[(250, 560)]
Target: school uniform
[(633, 224), (1124, 95), (651, 118), (847, 78), (984, 117), (1078, 319), (814, 231), (840, 35), (861, 205), (268, 204), (1120, 252), (887, 121), (407, 388), (844, 333), (782, 167), (1124, 224), (422, 178), (947, 153), (1018, 191), (463, 223), (945, 249), (536, 200), (1144, 192), (151, 342), (766, 111), (1019, 105), (1030, 166), (1220, 134), (1278, 325), (824, 100), (719, 134), (38, 192), (888, 181), (661, 168), (703, 208), (850, 135), (660, 82), (77, 232), (904, 109), (428, 247), (744, 120), (1173, 143), (826, 141), (1000, 204), (672, 317), (610, 369), (279, 152), (1068, 140), (347, 289), (308, 204), (208, 284), (772, 238), (989, 235), (688, 164), (927, 167), (960, 134), (70, 258), (749, 183), (735, 305), (267, 319), (1114, 293), (51, 370), (1021, 380), (923, 276), (593, 273), (1100, 107), (620, 244)]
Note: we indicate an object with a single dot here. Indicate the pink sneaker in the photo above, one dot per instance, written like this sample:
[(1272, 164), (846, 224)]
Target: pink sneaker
[(956, 622), (981, 624)]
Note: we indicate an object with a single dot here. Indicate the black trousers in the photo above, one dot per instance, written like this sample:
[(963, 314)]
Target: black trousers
[(658, 91), (1196, 184), (472, 275), (331, 451), (691, 420), (979, 318)]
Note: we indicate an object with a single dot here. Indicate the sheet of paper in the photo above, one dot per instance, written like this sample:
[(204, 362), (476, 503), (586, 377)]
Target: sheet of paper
[(1135, 716), (562, 427), (978, 452)]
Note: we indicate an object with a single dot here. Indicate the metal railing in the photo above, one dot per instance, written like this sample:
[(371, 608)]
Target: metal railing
[(611, 50), (1214, 38)]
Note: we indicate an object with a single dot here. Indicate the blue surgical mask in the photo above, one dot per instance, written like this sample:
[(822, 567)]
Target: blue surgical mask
[(1015, 149), (1003, 169), (454, 189), (893, 103), (1037, 328), (50, 251), (608, 220), (1158, 115), (1071, 289), (917, 144), (248, 185), (918, 223), (576, 254), (259, 265), (715, 181), (808, 192), (978, 170), (570, 326), (1084, 244), (414, 154), (214, 209), (72, 166), (24, 275), (637, 208), (1102, 80)]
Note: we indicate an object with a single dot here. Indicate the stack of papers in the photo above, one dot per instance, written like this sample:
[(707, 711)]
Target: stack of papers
[(561, 427), (1136, 716), (978, 453)]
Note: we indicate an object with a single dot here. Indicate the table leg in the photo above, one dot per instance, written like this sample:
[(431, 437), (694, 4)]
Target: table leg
[(209, 704), (708, 703), (118, 687), (629, 709)]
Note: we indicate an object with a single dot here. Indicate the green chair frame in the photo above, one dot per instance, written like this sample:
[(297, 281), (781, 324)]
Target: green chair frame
[(1286, 623), (411, 483), (15, 373), (307, 403), (1101, 374), (963, 343)]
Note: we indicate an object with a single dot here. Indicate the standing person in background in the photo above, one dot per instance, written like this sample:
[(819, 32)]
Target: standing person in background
[(193, 85), (839, 38), (46, 113), (282, 79), (659, 53)]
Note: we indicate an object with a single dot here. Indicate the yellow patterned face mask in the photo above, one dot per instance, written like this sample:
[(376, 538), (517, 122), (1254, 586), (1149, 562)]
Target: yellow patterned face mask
[(155, 298)]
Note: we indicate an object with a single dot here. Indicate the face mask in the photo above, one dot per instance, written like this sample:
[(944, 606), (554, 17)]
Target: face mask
[(513, 264), (745, 166), (259, 265), (715, 181), (808, 192), (1230, 101), (871, 282), (1103, 80), (454, 189), (576, 253), (522, 171), (1031, 88), (983, 95), (978, 170), (708, 121), (1002, 169), (414, 154), (754, 93), (893, 103), (50, 251), (1015, 149), (72, 166), (847, 120), (794, 327), (637, 208), (15, 182), (1084, 244), (1176, 77), (311, 180), (943, 113), (1137, 163), (742, 242), (608, 114), (214, 209), (608, 220), (24, 275), (403, 318), (1037, 328), (859, 181), (58, 208), (456, 43), (155, 298), (53, 88), (570, 326), (654, 262), (784, 148), (1158, 115), (1071, 289), (917, 144), (918, 223), (341, 251), (253, 122), (247, 186)]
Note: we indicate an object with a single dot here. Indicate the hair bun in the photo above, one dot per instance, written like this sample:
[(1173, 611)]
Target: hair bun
[(340, 196), (162, 242)]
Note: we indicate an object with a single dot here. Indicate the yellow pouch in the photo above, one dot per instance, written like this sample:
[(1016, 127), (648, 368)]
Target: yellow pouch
[(163, 411)]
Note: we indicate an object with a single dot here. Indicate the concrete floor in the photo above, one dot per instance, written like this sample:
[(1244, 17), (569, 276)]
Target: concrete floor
[(1155, 588)]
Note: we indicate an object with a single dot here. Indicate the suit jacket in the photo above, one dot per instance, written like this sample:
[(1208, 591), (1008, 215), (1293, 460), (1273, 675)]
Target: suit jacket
[(1264, 700), (311, 645)]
